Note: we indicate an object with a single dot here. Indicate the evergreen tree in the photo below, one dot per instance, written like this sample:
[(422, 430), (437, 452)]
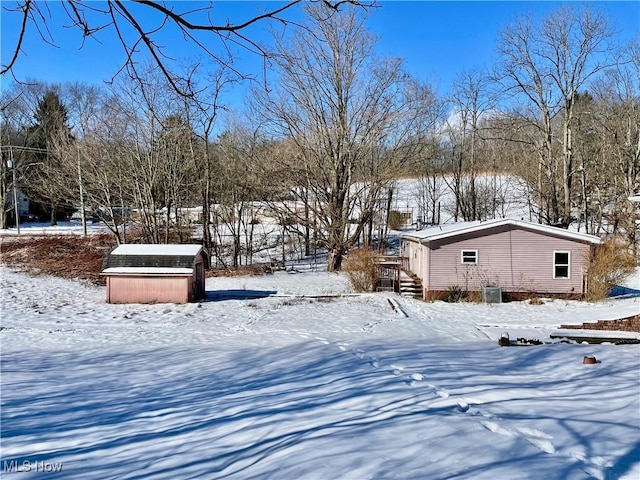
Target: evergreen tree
[(49, 139)]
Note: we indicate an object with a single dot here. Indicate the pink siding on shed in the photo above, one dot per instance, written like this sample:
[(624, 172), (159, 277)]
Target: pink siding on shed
[(518, 260), (148, 289)]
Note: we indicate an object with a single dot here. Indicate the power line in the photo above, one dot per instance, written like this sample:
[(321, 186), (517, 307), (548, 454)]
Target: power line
[(20, 147)]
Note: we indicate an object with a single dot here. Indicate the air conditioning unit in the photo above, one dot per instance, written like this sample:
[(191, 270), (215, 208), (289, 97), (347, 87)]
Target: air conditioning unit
[(491, 294)]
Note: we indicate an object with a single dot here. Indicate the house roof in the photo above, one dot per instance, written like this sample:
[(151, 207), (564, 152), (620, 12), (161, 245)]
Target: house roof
[(439, 232)]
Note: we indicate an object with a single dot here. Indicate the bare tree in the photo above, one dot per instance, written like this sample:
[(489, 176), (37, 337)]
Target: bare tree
[(138, 26), (353, 120), (617, 128), (204, 115), (547, 66), (472, 101)]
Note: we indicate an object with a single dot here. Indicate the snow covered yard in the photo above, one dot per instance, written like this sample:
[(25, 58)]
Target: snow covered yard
[(262, 382)]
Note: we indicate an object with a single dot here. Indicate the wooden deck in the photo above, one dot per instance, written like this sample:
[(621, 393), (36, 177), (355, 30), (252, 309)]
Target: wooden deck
[(394, 276)]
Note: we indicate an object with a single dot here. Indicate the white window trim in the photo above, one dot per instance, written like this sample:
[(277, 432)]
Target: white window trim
[(475, 253), (568, 252)]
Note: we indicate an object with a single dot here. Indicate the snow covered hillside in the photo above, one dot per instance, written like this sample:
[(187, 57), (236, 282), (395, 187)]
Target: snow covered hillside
[(262, 382)]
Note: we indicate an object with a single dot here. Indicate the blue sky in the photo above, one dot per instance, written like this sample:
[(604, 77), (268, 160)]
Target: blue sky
[(437, 39)]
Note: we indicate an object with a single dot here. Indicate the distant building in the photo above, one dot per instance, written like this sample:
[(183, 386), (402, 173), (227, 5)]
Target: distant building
[(23, 203)]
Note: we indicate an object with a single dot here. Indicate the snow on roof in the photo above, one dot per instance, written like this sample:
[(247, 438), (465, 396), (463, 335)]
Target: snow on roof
[(149, 270), (438, 232), (154, 249)]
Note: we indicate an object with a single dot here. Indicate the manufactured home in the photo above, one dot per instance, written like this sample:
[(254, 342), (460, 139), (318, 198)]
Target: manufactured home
[(149, 273), (517, 257)]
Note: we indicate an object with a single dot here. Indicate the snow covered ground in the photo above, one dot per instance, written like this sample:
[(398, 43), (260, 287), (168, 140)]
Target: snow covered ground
[(292, 376)]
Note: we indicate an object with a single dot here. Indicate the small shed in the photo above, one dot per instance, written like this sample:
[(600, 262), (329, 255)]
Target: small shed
[(516, 256), (149, 273)]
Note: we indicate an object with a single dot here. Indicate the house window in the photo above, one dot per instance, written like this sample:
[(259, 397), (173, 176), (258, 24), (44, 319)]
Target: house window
[(561, 264), (469, 257)]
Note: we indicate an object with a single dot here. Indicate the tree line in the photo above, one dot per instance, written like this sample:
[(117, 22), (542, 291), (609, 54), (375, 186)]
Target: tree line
[(324, 142)]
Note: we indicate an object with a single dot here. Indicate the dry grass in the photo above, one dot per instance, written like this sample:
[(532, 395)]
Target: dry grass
[(245, 270), (74, 257), (361, 268), (536, 301), (611, 262), (61, 256)]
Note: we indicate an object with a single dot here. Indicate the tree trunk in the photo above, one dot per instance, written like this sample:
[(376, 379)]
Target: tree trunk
[(336, 254), (52, 211)]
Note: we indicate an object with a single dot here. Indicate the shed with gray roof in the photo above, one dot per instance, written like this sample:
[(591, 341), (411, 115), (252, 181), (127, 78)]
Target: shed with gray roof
[(150, 273)]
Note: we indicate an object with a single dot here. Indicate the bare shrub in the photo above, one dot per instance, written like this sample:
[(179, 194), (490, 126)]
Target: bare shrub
[(611, 262), (454, 294), (362, 269), (253, 270), (473, 296)]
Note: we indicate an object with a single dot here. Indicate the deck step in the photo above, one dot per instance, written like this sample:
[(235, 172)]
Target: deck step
[(410, 285)]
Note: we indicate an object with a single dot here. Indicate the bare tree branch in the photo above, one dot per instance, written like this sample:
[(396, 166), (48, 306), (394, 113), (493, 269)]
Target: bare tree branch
[(121, 18)]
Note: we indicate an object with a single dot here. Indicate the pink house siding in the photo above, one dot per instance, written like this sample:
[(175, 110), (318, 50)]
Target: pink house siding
[(516, 260), (516, 256), (124, 289)]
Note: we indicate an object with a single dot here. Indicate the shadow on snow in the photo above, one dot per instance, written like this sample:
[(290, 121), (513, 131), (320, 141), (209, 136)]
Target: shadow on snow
[(291, 412), (220, 295)]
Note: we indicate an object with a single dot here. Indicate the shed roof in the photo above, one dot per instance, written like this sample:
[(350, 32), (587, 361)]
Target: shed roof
[(153, 256), (439, 232), (148, 270), (155, 249)]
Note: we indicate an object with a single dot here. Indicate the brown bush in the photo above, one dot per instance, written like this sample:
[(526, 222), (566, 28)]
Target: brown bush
[(611, 263), (362, 269)]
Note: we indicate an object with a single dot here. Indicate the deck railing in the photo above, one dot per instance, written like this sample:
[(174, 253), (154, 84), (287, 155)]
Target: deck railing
[(403, 262), (389, 269)]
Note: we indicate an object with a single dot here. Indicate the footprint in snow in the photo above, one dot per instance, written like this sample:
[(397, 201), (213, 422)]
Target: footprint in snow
[(439, 391), (496, 428), (534, 432), (538, 439), (535, 437), (413, 378), (598, 461)]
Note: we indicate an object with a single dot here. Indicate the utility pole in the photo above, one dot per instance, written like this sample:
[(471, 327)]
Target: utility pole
[(12, 165)]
